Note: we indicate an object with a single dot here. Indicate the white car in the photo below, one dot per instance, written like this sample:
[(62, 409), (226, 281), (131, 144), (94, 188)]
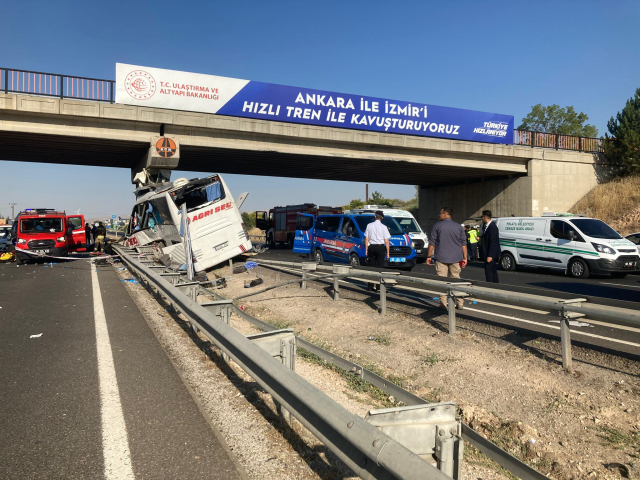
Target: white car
[(577, 245)]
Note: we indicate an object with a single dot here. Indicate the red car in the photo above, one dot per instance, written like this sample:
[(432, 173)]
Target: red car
[(47, 232)]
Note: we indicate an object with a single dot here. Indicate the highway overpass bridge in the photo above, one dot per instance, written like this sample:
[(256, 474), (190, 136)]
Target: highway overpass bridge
[(469, 176)]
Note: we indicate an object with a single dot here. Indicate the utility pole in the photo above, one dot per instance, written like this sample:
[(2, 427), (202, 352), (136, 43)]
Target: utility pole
[(12, 212), (366, 197)]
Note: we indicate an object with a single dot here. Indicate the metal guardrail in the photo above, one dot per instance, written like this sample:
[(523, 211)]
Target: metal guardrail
[(370, 453), (557, 141), (566, 309), (56, 85), (212, 327), (70, 86)]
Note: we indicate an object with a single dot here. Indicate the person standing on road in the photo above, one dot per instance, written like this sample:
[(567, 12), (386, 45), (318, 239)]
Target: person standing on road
[(101, 233), (449, 244), (87, 234), (490, 247), (473, 245), (93, 232), (376, 244)]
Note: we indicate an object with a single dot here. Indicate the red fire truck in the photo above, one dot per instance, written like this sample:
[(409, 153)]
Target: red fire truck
[(47, 232), (280, 222)]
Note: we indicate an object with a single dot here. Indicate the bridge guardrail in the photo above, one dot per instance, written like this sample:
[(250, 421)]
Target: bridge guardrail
[(56, 85), (559, 142), (83, 88)]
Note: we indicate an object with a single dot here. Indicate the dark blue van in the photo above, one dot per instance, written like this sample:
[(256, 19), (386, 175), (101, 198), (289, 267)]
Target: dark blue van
[(340, 239)]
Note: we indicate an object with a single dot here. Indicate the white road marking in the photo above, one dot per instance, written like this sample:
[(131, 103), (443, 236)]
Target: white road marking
[(115, 444), (620, 285)]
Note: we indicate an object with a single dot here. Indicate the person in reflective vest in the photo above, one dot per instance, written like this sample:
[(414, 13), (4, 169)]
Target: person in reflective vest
[(473, 244)]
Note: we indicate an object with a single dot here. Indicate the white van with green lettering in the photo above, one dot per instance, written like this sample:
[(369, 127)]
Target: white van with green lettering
[(578, 245)]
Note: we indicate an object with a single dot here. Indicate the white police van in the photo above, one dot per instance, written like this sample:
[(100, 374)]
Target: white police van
[(408, 224), (578, 245)]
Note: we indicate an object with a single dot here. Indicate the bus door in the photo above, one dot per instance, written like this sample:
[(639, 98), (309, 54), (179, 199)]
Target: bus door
[(305, 231)]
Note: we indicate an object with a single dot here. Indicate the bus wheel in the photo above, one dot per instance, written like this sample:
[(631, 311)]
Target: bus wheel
[(507, 262), (578, 268)]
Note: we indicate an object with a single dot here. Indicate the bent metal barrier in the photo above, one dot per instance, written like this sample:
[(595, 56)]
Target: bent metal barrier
[(364, 448), (71, 86), (369, 452)]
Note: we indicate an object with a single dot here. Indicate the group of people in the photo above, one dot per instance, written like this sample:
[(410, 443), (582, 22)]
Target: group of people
[(448, 245), (97, 232)]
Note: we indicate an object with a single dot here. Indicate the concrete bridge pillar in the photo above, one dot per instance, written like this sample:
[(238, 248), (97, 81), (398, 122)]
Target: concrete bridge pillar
[(549, 186)]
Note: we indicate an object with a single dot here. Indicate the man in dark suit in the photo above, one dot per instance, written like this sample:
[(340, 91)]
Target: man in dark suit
[(490, 247)]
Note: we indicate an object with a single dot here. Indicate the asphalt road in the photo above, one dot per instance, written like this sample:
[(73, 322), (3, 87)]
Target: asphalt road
[(602, 290), (53, 395)]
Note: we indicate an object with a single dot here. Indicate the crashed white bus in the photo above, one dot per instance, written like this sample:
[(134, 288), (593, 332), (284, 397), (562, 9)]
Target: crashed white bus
[(215, 224)]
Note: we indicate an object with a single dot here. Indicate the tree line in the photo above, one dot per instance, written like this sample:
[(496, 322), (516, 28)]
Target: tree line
[(621, 143)]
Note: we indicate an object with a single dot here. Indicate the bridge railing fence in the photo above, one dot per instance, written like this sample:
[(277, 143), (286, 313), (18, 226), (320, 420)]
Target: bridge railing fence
[(83, 88), (55, 85), (557, 141)]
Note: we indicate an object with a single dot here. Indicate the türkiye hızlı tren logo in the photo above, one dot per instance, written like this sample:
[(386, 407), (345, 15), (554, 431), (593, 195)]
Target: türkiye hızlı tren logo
[(140, 85)]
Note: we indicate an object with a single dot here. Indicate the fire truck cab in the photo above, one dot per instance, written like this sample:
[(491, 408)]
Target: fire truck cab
[(44, 232), (280, 222)]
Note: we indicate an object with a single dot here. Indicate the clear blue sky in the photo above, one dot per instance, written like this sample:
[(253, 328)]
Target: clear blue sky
[(499, 57)]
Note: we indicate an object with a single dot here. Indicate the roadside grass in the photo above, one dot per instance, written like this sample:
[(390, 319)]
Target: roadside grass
[(432, 359), (615, 203), (618, 439), (382, 338)]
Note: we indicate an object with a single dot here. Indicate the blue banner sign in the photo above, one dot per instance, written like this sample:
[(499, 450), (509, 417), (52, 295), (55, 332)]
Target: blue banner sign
[(161, 88)]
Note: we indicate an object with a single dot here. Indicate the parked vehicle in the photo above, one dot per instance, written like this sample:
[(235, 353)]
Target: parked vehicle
[(49, 232), (634, 238), (340, 238), (409, 225), (280, 222), (578, 245), (215, 225), (5, 237)]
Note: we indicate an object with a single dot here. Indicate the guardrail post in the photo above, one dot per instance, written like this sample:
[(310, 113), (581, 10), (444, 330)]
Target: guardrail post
[(307, 267), (565, 330), (282, 345), (338, 269), (451, 307), (383, 297), (565, 338)]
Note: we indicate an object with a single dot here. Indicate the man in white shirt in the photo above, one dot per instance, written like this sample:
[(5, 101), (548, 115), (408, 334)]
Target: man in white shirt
[(376, 243)]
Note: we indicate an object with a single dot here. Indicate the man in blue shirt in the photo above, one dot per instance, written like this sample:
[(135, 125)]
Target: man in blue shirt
[(449, 244)]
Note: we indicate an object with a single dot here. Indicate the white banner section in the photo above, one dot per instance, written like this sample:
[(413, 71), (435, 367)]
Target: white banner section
[(160, 88)]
